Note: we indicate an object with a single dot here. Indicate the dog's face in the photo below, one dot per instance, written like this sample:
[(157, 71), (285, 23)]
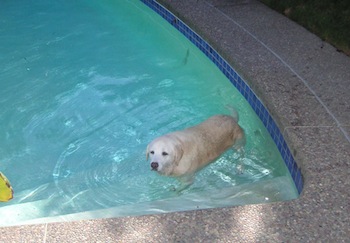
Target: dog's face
[(165, 153)]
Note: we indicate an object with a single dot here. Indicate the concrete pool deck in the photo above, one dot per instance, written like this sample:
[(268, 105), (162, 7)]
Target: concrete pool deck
[(305, 84)]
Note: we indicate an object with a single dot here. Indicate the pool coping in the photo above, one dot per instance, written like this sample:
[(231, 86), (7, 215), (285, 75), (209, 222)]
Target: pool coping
[(303, 82)]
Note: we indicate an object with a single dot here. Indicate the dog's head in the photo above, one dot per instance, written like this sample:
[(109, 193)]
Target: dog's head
[(165, 153)]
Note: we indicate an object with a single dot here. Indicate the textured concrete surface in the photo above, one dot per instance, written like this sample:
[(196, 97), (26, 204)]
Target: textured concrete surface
[(305, 83)]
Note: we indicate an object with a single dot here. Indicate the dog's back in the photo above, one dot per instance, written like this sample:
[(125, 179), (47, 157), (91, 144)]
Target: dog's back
[(206, 141)]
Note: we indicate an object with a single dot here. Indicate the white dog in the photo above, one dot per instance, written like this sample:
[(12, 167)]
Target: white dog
[(182, 153)]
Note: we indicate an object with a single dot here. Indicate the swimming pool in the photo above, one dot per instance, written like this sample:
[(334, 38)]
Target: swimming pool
[(81, 100)]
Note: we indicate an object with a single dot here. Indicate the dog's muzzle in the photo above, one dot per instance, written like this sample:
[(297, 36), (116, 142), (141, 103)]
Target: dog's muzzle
[(154, 165)]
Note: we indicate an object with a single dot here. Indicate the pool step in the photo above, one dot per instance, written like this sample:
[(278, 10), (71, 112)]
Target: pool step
[(269, 190)]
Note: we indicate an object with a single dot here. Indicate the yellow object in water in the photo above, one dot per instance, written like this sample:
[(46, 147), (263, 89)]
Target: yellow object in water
[(6, 192)]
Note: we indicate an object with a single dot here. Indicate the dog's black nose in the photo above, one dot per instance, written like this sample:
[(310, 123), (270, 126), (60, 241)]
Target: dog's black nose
[(154, 165)]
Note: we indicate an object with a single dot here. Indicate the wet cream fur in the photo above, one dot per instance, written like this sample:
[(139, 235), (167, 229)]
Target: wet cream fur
[(184, 152)]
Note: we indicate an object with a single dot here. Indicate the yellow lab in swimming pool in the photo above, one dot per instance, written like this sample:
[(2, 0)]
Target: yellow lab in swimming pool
[(182, 153)]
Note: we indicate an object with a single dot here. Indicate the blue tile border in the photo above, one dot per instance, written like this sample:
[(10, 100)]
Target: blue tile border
[(240, 84)]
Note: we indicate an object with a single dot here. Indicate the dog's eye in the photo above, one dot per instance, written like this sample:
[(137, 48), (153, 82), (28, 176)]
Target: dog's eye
[(164, 153), (152, 152)]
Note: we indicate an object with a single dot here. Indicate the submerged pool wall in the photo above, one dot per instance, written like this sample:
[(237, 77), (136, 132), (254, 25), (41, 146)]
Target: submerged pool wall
[(239, 83)]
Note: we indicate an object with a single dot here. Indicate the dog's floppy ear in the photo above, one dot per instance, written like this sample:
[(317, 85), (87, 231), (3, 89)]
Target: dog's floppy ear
[(178, 151)]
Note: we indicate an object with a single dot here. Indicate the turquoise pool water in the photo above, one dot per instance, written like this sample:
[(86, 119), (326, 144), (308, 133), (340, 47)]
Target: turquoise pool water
[(85, 86)]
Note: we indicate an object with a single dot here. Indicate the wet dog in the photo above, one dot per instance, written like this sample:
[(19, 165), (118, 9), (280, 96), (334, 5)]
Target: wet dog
[(184, 152)]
